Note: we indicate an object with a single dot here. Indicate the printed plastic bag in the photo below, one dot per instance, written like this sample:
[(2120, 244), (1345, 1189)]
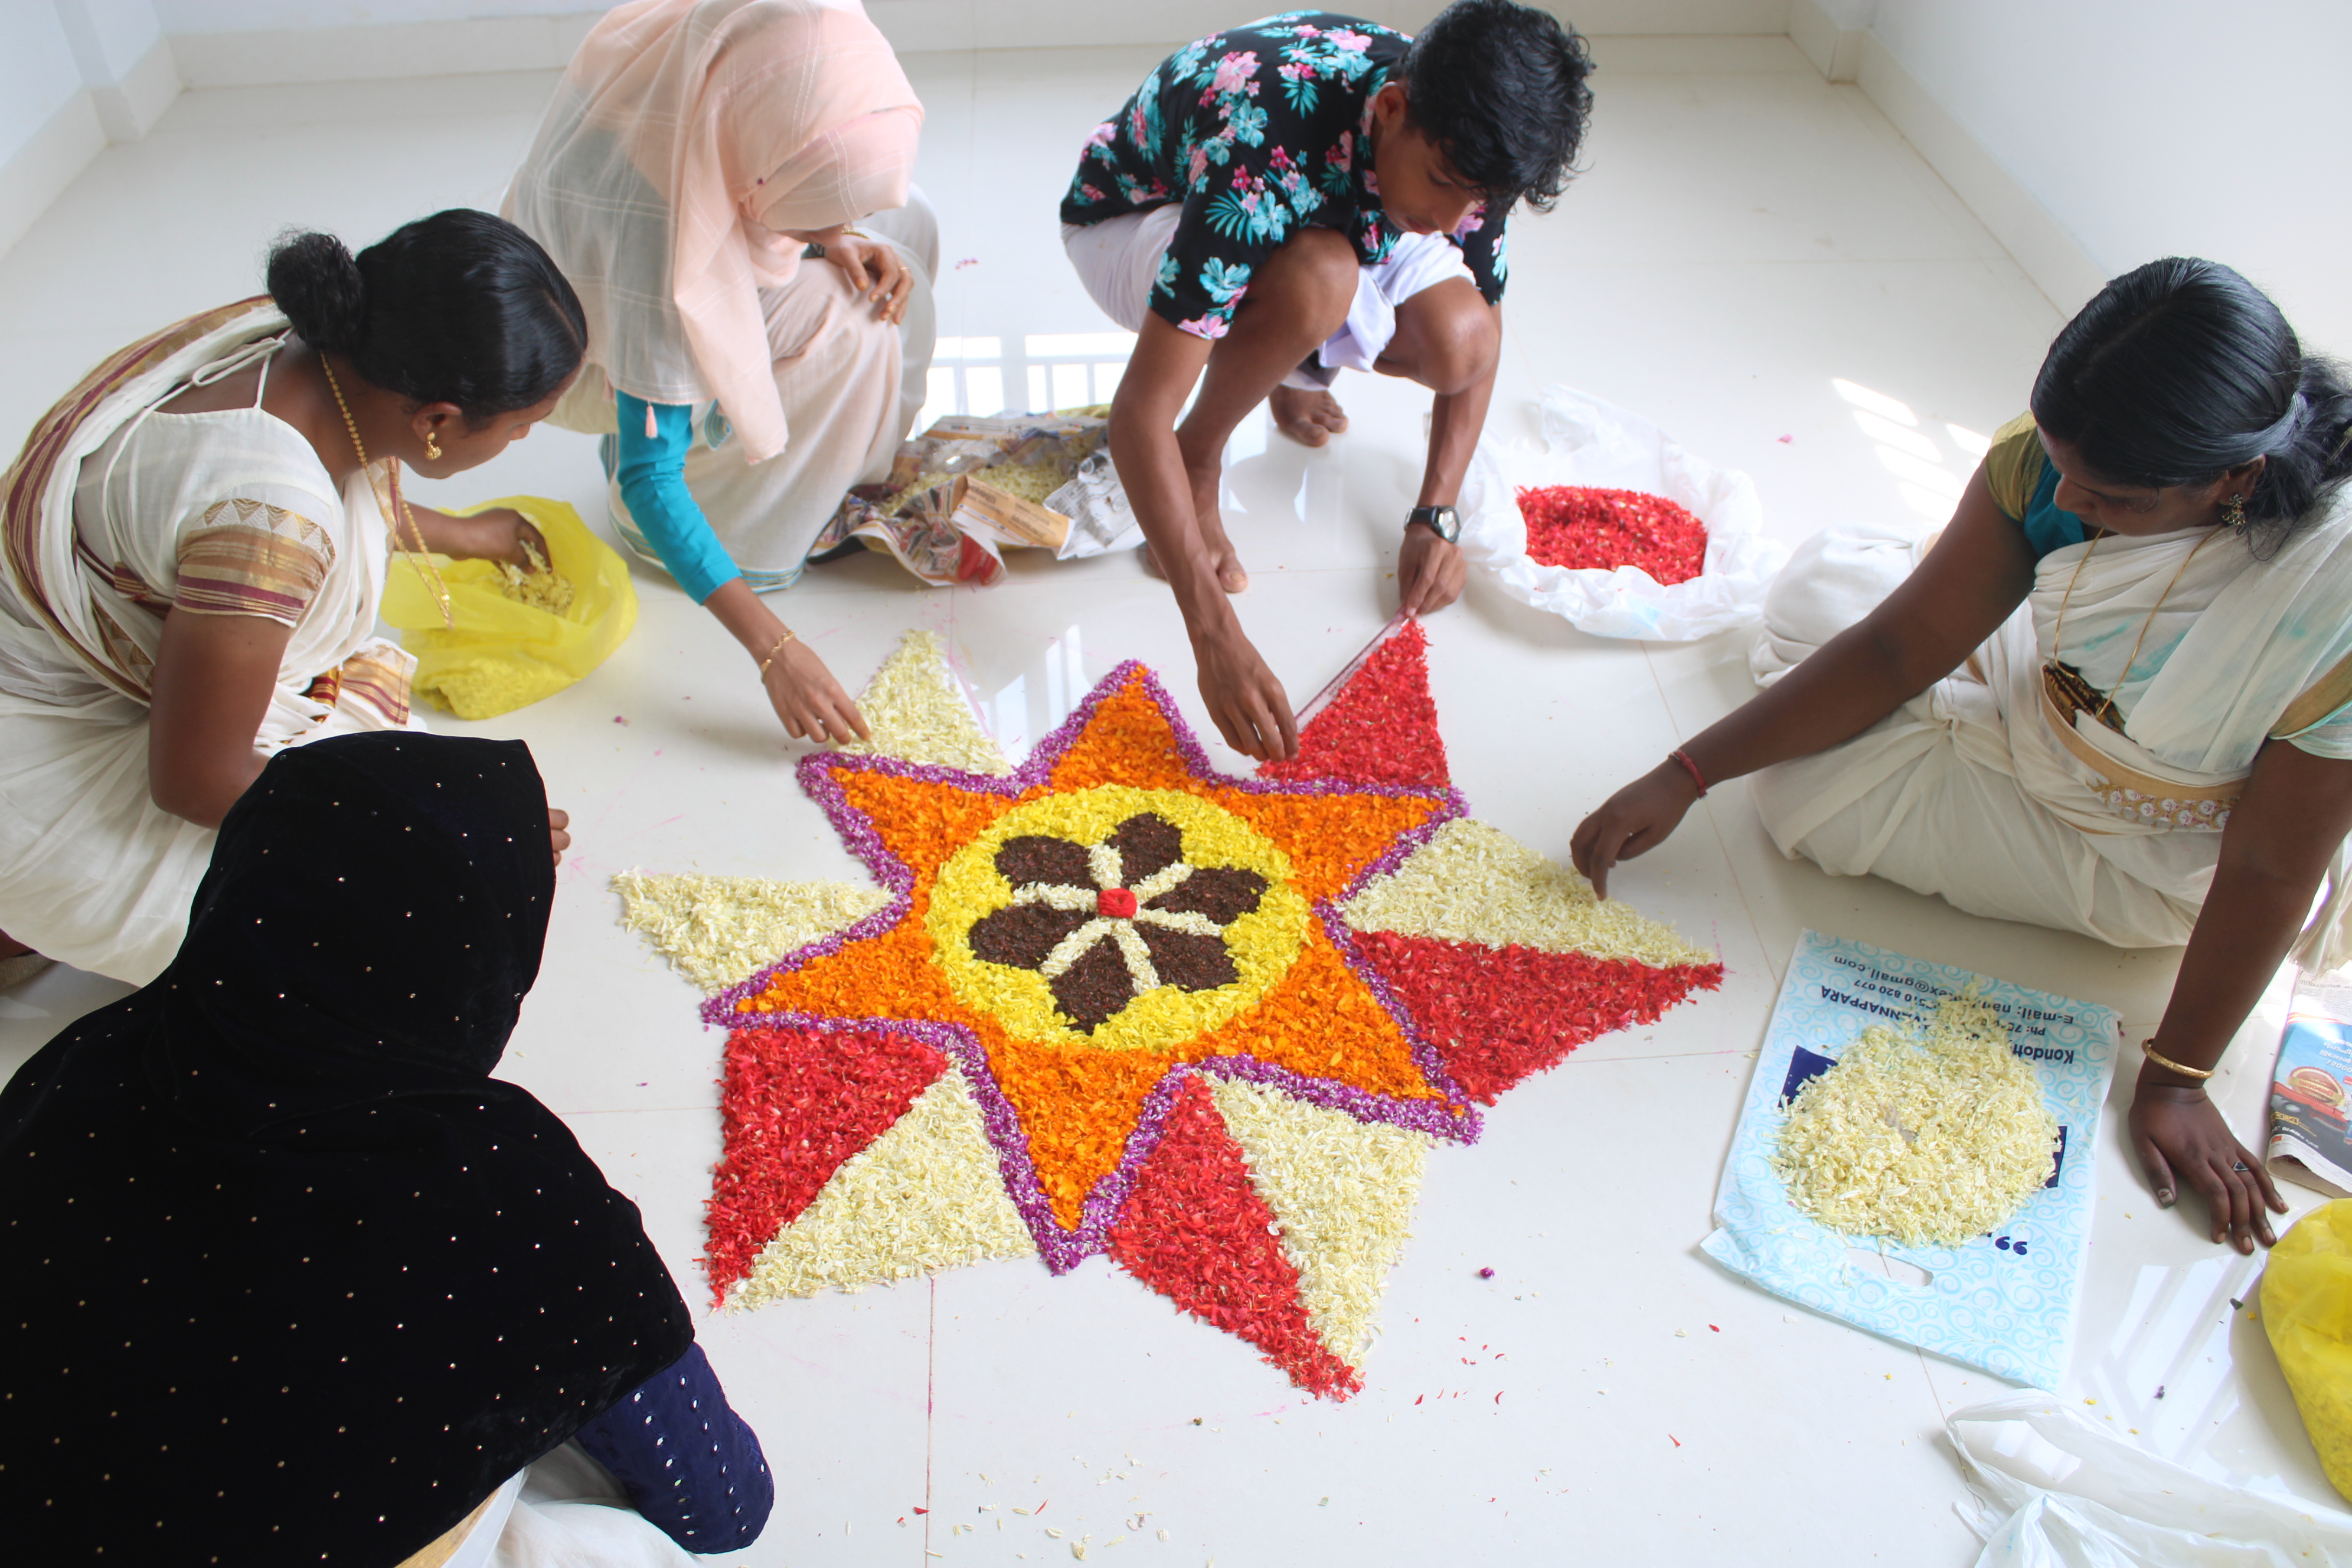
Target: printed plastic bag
[(2004, 1302), (2053, 1490), (502, 653), (967, 488), (2307, 1313), (1590, 442)]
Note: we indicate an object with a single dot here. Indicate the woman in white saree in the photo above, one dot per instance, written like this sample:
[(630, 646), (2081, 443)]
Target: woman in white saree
[(2114, 696), (196, 542)]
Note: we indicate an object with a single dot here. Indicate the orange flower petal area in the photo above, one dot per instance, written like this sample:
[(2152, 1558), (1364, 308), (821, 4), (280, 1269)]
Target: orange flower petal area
[(1085, 1111)]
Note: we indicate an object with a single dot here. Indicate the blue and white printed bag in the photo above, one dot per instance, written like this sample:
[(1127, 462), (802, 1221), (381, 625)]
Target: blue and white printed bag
[(2004, 1302)]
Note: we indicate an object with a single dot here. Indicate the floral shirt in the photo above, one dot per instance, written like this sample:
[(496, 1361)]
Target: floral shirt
[(1258, 131)]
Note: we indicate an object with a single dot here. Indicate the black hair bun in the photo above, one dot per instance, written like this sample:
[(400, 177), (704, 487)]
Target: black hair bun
[(314, 281)]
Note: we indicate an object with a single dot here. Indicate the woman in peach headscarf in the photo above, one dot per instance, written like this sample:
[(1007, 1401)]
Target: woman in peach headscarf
[(698, 155)]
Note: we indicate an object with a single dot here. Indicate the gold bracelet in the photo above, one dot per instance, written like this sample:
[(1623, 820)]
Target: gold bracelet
[(789, 635), (2148, 1049)]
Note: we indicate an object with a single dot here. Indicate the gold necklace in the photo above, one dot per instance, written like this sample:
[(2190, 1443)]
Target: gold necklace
[(394, 507), (2070, 682)]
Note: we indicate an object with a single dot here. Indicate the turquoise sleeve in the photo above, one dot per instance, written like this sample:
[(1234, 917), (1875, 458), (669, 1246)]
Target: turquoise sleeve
[(652, 475)]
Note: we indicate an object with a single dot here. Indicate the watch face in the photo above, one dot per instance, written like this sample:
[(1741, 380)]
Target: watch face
[(1442, 522)]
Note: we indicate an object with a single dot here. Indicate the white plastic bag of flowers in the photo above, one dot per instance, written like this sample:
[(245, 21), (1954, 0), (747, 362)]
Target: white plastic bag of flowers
[(1589, 442)]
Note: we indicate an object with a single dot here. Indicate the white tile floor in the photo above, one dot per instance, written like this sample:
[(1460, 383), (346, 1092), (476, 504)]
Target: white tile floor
[(1748, 237)]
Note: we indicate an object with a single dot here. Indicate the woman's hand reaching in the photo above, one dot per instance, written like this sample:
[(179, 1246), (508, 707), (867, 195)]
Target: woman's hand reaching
[(500, 534), (1633, 821), (808, 699), (2180, 1137)]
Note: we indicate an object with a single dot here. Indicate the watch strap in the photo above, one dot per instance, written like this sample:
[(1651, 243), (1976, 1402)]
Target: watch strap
[(1442, 521)]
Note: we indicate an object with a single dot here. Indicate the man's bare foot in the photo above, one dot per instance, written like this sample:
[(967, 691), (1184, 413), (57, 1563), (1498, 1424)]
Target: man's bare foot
[(1310, 418), (1230, 575), (11, 948)]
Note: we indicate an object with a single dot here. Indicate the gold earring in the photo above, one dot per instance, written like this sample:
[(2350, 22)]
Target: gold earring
[(432, 448), (2233, 515)]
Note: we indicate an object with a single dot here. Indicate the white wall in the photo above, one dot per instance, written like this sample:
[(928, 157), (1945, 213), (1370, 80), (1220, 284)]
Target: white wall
[(1145, 21), (109, 37), (2152, 128), (38, 75), (310, 16), (74, 75)]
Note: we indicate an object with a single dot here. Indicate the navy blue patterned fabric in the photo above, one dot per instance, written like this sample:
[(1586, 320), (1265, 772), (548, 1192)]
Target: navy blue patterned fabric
[(687, 1460)]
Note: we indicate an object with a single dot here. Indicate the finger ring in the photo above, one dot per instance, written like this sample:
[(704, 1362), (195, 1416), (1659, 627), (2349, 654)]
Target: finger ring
[(2238, 1165)]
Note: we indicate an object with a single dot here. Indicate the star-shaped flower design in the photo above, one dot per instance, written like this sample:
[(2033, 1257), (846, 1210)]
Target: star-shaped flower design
[(1112, 919)]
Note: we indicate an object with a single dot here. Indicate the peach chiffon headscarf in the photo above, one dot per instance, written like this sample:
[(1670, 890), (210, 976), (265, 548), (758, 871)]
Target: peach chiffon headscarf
[(685, 136)]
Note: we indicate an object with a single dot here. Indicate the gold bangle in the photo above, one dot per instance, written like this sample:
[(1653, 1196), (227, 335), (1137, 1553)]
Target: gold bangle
[(2148, 1049), (789, 635)]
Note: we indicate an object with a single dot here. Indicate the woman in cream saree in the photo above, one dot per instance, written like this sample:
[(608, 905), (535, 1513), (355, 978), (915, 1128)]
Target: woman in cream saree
[(2111, 697), (195, 542)]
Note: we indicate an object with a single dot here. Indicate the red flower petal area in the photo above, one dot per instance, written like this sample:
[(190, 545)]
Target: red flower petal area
[(1499, 1015), (797, 1104), (1582, 528), (1380, 729), (1195, 1230)]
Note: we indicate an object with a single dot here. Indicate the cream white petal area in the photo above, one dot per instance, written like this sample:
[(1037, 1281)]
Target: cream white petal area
[(1470, 882), (719, 931), (918, 715), (1343, 1191), (924, 1197)]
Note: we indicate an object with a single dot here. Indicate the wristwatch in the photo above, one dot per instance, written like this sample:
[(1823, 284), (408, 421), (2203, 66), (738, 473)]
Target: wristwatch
[(1440, 520)]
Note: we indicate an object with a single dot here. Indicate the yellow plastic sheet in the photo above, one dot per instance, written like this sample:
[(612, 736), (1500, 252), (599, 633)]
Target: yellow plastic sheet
[(502, 653), (2308, 1311)]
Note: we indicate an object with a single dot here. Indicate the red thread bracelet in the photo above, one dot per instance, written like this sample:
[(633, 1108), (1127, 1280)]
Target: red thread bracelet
[(1692, 768)]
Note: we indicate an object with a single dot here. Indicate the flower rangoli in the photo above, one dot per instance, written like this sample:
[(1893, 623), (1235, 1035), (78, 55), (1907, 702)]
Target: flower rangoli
[(1119, 1003)]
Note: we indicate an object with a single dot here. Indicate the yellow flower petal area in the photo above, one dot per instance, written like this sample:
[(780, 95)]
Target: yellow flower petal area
[(1264, 942), (1475, 883), (927, 1195), (719, 931), (918, 715), (1344, 1191)]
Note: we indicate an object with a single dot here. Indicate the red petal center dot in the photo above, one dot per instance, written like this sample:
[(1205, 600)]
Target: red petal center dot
[(1118, 903)]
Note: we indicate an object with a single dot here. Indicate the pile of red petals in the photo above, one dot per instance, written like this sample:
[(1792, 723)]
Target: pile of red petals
[(1582, 528)]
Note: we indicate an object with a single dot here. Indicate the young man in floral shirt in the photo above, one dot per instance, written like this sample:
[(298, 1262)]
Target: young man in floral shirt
[(1285, 199)]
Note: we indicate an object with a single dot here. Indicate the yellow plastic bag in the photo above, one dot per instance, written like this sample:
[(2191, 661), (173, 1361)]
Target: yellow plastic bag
[(2307, 1313), (503, 654)]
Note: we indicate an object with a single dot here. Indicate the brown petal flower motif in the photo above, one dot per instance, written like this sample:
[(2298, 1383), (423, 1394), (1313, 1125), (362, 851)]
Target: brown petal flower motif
[(1106, 922)]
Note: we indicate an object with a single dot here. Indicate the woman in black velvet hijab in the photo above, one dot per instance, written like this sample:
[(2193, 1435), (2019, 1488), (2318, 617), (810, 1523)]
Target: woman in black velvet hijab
[(285, 1275)]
